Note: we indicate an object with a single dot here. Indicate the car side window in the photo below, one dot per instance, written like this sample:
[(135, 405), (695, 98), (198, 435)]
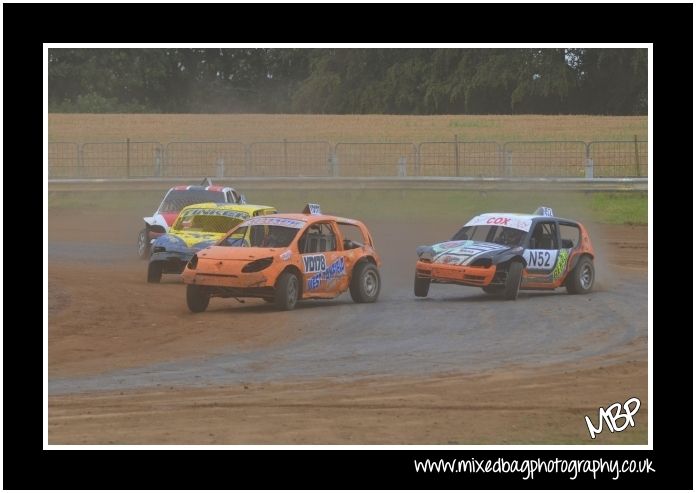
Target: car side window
[(352, 236), (570, 235), (318, 238), (544, 237)]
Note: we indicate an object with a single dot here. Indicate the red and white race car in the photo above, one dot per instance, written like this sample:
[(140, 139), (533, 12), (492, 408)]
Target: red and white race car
[(174, 201)]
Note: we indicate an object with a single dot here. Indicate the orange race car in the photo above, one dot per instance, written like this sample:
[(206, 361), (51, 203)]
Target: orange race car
[(503, 252), (284, 258)]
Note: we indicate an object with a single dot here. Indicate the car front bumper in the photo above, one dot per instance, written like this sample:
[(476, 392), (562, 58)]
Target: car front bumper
[(455, 274)]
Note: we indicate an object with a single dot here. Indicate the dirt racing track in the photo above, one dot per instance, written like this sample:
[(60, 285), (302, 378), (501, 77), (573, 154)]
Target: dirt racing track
[(128, 363)]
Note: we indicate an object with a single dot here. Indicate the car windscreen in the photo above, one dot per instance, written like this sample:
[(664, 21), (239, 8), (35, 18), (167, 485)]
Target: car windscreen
[(491, 234), (206, 223), (178, 199), (260, 235)]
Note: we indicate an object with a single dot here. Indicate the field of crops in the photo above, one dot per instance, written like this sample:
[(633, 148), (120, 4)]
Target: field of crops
[(342, 128)]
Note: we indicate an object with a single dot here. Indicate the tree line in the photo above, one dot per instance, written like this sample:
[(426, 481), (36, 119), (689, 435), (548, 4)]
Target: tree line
[(612, 81)]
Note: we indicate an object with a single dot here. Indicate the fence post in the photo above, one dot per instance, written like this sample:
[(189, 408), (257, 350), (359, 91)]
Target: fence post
[(456, 152), (635, 147), (128, 158), (508, 160), (221, 167), (158, 161), (589, 164), (285, 156), (401, 168), (247, 159), (80, 162), (418, 159)]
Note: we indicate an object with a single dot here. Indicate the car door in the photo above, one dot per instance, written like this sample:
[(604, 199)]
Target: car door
[(323, 263), (542, 253)]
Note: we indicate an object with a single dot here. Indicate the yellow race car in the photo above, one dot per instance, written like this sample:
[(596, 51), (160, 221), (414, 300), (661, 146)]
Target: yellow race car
[(198, 226)]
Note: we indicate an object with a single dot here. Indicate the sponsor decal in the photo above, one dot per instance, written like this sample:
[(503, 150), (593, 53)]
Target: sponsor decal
[(450, 244), (286, 255), (561, 265), (462, 252), (274, 221), (501, 220), (540, 259), (450, 259), (314, 263), (215, 212), (336, 269)]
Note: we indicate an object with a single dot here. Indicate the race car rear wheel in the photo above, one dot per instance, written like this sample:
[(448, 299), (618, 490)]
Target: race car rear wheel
[(154, 272), (287, 291), (512, 283), (143, 244), (196, 298), (421, 286), (365, 283), (581, 279)]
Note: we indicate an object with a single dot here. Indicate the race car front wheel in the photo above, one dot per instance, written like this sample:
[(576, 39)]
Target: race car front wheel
[(421, 286), (512, 283), (143, 244), (154, 272), (365, 283), (287, 291), (494, 289), (196, 298), (581, 279)]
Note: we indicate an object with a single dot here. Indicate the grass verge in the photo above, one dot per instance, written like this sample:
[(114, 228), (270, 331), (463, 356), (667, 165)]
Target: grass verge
[(399, 205)]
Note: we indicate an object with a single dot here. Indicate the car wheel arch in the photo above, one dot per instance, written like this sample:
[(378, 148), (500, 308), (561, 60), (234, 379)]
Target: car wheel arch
[(514, 258), (293, 269), (576, 258)]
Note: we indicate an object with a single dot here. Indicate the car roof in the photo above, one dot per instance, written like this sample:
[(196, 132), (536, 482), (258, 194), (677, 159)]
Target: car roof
[(210, 188), (226, 206), (313, 218), (523, 217)]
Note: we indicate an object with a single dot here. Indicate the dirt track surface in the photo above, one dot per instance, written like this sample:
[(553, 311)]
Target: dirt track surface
[(119, 346)]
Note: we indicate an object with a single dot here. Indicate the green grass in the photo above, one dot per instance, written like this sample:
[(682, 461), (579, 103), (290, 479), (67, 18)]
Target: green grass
[(620, 208), (399, 205)]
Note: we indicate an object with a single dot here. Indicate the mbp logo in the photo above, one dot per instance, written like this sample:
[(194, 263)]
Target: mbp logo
[(613, 414), (314, 263)]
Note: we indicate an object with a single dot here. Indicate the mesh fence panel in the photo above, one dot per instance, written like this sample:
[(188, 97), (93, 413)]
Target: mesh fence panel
[(375, 159), (197, 159), (63, 160), (121, 159), (460, 159), (285, 158), (619, 159), (552, 159)]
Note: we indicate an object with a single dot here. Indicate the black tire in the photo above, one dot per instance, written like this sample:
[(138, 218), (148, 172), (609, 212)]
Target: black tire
[(196, 298), (154, 272), (514, 278), (143, 244), (581, 280), (287, 291), (421, 286), (365, 283), (495, 289)]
